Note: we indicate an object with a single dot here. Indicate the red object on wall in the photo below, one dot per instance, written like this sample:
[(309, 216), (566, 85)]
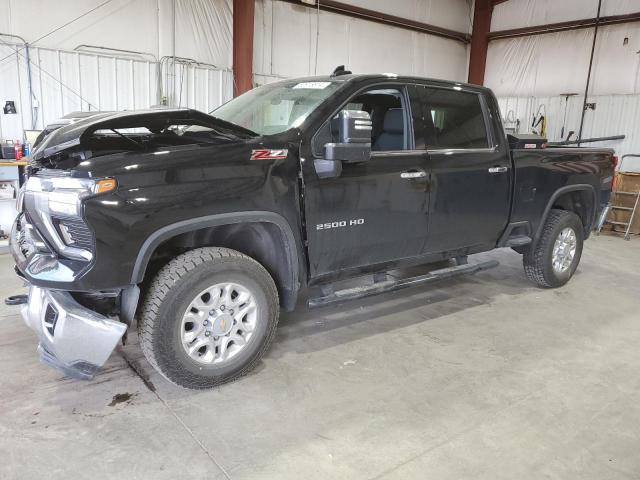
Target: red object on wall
[(243, 12)]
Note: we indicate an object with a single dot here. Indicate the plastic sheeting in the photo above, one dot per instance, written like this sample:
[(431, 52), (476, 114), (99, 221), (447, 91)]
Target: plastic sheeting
[(125, 24), (527, 72), (527, 13), (203, 28), (555, 63), (452, 14), (287, 37), (203, 31)]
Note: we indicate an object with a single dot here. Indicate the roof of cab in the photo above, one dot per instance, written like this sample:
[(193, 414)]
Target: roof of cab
[(361, 77)]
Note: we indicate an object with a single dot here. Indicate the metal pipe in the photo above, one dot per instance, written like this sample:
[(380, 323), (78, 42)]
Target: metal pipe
[(586, 88), (173, 52), (120, 50), (34, 118), (588, 140)]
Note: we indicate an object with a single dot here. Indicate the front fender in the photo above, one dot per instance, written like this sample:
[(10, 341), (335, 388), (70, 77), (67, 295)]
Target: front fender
[(291, 284)]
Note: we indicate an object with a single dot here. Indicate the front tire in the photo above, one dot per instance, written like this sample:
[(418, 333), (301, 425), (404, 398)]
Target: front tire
[(557, 254), (208, 317)]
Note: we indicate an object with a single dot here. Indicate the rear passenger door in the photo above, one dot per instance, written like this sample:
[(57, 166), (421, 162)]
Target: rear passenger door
[(469, 167)]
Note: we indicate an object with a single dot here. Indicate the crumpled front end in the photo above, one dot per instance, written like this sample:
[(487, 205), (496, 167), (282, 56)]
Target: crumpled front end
[(73, 339)]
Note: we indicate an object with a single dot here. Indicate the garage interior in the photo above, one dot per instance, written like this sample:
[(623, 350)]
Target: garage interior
[(483, 376)]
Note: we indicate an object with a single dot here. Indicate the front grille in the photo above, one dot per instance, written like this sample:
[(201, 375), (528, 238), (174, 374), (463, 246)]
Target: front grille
[(75, 233)]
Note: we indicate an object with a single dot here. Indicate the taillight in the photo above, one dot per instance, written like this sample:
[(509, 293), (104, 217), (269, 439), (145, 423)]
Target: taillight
[(614, 161)]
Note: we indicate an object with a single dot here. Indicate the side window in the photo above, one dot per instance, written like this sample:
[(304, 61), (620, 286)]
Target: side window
[(449, 118), (387, 109)]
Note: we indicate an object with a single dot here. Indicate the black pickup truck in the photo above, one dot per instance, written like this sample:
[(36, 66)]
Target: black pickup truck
[(202, 227)]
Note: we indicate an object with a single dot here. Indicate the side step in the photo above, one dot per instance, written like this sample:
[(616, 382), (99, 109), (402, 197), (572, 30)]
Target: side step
[(518, 241), (393, 285)]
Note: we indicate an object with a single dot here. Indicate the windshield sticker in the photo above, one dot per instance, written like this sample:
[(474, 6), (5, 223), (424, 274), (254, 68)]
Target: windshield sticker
[(266, 154), (312, 85)]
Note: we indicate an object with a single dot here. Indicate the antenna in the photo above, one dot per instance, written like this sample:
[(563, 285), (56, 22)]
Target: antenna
[(340, 71)]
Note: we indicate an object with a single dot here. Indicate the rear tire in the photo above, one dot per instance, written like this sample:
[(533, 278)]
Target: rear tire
[(557, 254), (194, 328)]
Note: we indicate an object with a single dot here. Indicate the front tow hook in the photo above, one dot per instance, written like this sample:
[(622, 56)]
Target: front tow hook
[(16, 300)]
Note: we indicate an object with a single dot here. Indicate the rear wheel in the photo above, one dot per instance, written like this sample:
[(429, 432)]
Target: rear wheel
[(208, 317), (557, 254)]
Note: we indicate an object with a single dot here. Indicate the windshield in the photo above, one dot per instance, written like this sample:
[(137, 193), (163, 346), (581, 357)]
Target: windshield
[(276, 107)]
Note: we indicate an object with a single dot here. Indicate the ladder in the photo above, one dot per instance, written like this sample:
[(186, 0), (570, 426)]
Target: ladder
[(611, 206)]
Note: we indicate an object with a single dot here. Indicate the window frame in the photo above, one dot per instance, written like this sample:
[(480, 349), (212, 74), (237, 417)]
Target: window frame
[(408, 118), (491, 140)]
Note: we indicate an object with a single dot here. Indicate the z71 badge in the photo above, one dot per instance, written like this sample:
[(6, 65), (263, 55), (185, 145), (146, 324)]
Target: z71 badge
[(339, 224), (267, 154)]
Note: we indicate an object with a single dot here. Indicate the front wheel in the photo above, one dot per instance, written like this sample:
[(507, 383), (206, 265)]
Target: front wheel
[(557, 254), (208, 317)]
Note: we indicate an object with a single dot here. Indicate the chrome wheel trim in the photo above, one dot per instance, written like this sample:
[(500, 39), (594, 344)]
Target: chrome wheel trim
[(219, 323), (564, 250)]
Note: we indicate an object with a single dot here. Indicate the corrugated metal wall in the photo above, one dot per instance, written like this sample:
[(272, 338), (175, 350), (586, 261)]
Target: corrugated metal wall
[(614, 115), (68, 81)]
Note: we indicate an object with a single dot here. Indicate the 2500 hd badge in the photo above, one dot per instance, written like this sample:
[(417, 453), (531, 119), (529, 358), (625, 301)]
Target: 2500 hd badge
[(340, 224)]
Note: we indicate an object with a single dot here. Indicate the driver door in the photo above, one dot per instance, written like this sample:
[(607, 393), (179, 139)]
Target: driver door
[(375, 212)]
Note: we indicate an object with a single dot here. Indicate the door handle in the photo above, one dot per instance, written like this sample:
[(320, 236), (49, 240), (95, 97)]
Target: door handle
[(498, 169), (413, 174)]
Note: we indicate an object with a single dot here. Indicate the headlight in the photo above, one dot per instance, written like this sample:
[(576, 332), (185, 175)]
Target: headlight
[(57, 203), (65, 194)]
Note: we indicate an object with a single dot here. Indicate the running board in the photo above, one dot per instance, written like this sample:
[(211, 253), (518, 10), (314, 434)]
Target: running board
[(393, 285)]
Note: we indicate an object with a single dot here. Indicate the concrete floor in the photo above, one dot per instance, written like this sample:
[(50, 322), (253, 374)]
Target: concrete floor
[(480, 377)]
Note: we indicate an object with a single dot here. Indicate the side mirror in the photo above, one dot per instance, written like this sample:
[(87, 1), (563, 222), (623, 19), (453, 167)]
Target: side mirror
[(354, 137), (353, 146)]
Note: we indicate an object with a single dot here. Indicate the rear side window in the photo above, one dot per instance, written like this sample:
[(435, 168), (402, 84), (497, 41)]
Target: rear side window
[(448, 118)]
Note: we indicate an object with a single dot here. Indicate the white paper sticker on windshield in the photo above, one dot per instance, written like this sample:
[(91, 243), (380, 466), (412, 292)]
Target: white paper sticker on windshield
[(313, 85)]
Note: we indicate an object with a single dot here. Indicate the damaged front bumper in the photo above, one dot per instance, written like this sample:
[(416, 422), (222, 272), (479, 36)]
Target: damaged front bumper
[(73, 338)]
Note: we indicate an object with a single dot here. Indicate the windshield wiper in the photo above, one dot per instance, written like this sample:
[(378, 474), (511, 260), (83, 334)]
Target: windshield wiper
[(137, 144), (231, 124)]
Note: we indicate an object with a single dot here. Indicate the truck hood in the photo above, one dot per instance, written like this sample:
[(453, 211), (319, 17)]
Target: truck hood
[(54, 150)]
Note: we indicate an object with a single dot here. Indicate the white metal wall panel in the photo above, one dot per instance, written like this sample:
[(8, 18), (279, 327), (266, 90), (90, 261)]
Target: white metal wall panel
[(198, 86), (614, 115), (64, 82)]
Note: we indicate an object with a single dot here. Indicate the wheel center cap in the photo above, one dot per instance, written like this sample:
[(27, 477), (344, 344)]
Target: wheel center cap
[(222, 324)]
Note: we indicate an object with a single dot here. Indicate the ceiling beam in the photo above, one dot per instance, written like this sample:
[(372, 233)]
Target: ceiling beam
[(564, 26), (383, 18)]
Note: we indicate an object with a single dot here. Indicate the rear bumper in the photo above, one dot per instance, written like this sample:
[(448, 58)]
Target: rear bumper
[(73, 338)]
